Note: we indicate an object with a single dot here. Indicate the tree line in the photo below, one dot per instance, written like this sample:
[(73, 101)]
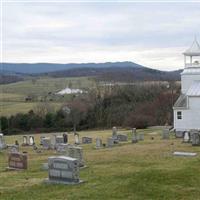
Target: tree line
[(136, 105)]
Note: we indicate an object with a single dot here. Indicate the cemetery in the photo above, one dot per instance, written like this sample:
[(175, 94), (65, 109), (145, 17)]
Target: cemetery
[(128, 158)]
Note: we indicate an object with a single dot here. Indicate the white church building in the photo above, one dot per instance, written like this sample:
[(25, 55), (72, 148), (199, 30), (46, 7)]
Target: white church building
[(187, 107)]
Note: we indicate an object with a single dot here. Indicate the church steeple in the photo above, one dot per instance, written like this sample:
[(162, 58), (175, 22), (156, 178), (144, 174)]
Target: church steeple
[(193, 51)]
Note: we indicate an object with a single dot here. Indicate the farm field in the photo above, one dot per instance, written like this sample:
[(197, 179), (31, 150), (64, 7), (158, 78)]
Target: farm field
[(145, 170), (12, 96)]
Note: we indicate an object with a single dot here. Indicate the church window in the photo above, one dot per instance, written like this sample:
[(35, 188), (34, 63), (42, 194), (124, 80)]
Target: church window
[(179, 115)]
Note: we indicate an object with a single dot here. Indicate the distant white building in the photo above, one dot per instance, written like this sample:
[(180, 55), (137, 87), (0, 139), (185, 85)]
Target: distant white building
[(187, 107)]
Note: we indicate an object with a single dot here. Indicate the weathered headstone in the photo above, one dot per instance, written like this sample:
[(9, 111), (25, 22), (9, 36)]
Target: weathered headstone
[(59, 140), (186, 137), (122, 137), (98, 143), (46, 143), (195, 136), (13, 148), (86, 140), (134, 136), (62, 148), (179, 134), (165, 134), (25, 140), (63, 170), (110, 142), (76, 152), (133, 130), (65, 138), (41, 139), (17, 161), (141, 136), (114, 133), (77, 140), (2, 142), (31, 140)]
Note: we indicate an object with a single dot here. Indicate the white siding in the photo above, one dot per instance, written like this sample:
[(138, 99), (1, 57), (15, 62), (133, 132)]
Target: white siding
[(190, 117), (187, 80)]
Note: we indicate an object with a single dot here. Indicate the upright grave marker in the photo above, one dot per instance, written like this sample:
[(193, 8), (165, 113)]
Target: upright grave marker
[(2, 142), (165, 134), (98, 143), (17, 161), (134, 136), (195, 136), (63, 170), (86, 140), (110, 142)]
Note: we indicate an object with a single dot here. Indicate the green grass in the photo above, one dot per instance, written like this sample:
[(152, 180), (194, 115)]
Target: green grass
[(12, 96), (44, 85), (146, 170)]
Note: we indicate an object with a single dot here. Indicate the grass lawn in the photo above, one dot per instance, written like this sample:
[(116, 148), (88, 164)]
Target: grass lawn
[(12, 96), (146, 170)]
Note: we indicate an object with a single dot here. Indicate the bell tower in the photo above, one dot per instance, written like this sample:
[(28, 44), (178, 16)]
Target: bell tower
[(192, 55), (191, 72)]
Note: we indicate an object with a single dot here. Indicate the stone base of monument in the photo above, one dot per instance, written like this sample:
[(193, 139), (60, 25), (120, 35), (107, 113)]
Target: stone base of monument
[(13, 169), (48, 181), (83, 167)]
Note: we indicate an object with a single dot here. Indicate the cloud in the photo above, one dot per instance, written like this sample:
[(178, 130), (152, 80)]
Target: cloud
[(153, 34)]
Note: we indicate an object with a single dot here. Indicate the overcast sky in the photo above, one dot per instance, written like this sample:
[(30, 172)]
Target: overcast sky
[(151, 34)]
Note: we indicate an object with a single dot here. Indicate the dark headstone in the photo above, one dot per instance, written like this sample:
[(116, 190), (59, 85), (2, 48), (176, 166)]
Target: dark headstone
[(17, 161), (65, 138)]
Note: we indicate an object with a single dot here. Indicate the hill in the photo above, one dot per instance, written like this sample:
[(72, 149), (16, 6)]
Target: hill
[(32, 68), (121, 74)]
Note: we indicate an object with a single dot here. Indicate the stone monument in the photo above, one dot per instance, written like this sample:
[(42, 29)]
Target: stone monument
[(86, 140), (122, 137), (76, 152), (2, 142), (63, 170), (110, 142), (165, 134), (195, 136), (17, 161), (98, 143)]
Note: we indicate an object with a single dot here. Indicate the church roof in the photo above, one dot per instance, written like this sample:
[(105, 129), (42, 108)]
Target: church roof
[(194, 50), (194, 90), (181, 102)]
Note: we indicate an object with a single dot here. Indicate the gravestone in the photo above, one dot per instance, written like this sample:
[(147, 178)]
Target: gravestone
[(65, 138), (46, 143), (141, 136), (13, 148), (17, 161), (59, 140), (25, 140), (195, 136), (63, 170), (133, 130), (110, 142), (179, 134), (62, 148), (41, 139), (165, 134), (2, 142), (122, 137), (98, 143), (76, 152), (86, 140), (114, 133), (77, 140), (186, 137), (134, 136), (31, 140)]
